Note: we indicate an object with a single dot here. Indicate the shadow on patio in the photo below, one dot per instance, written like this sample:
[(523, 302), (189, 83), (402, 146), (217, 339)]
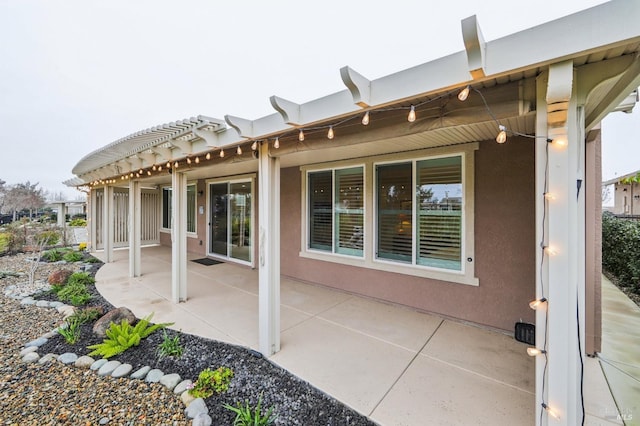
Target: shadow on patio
[(395, 365)]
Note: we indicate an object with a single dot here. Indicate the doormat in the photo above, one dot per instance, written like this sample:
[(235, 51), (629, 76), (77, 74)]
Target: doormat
[(206, 261)]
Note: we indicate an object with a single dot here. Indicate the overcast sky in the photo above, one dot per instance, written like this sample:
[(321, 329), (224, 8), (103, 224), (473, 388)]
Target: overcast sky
[(76, 75)]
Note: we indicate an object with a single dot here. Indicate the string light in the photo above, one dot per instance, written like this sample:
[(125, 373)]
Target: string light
[(502, 136), (535, 351), (197, 160), (222, 153), (159, 168), (549, 196), (534, 304), (131, 175), (276, 144), (560, 141), (239, 150), (154, 168), (365, 119), (301, 135), (208, 156), (550, 411), (188, 160), (412, 115), (168, 164), (464, 94), (549, 250), (254, 146), (141, 171), (330, 133), (148, 172), (176, 164)]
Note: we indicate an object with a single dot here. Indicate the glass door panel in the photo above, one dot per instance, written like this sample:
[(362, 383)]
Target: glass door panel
[(219, 218), (240, 209)]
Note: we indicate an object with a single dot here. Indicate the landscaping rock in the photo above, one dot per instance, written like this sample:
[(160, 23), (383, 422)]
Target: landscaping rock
[(99, 363), (170, 380), (196, 407), (108, 368), (37, 342), (59, 276), (84, 362), (186, 398), (154, 376), (202, 419), (31, 357), (68, 358), (141, 373), (182, 386), (28, 301), (47, 358), (122, 370), (28, 350), (42, 304), (116, 315)]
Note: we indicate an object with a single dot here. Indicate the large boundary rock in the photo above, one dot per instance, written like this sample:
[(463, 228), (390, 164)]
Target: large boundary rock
[(115, 315)]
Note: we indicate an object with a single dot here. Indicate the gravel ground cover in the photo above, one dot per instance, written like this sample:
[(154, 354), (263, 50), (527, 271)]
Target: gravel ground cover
[(57, 394)]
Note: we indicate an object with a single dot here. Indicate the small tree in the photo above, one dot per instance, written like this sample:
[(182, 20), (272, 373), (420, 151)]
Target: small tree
[(37, 239)]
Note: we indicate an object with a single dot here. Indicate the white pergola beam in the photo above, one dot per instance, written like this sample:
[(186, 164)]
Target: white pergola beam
[(359, 86), (243, 126), (178, 237), (209, 136), (165, 153), (183, 145), (289, 111), (475, 46), (135, 223), (269, 252)]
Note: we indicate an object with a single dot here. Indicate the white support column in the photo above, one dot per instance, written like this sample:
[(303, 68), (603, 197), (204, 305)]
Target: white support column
[(61, 214), (178, 237), (135, 221), (92, 212), (269, 252), (107, 223), (559, 323)]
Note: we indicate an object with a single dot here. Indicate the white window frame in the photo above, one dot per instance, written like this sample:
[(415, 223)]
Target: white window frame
[(467, 273), (333, 201), (195, 209)]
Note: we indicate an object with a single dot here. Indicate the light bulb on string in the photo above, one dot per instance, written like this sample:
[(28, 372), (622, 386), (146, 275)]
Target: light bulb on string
[(534, 304), (208, 156), (301, 135), (197, 160), (276, 144), (176, 164), (412, 115), (222, 153), (330, 133), (365, 119), (141, 171), (239, 150), (148, 172), (502, 136), (549, 196), (168, 164), (464, 94), (154, 168), (188, 160), (551, 412), (159, 168), (535, 351), (131, 174), (254, 146)]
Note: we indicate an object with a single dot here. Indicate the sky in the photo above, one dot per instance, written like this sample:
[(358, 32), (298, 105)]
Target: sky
[(76, 75)]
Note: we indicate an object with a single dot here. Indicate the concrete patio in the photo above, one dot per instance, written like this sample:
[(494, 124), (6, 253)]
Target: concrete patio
[(392, 364)]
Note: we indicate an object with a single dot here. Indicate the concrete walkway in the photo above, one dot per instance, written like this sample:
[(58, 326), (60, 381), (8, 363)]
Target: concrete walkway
[(395, 365), (620, 356)]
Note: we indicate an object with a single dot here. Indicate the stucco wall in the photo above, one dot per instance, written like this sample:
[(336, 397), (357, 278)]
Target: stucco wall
[(505, 247)]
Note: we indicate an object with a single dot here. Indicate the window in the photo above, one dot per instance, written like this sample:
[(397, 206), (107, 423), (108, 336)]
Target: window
[(406, 213), (336, 211), (426, 232), (191, 208)]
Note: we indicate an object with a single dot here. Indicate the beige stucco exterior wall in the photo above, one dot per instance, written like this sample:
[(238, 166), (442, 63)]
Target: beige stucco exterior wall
[(593, 243), (626, 198), (505, 247)]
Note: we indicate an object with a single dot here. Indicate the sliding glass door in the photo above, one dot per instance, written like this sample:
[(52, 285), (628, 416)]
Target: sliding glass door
[(230, 226)]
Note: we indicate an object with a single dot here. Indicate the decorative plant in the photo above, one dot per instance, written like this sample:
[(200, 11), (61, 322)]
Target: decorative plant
[(121, 337), (53, 255), (170, 346), (247, 416), (86, 315), (78, 222), (71, 332), (74, 292), (211, 381), (72, 256), (82, 246)]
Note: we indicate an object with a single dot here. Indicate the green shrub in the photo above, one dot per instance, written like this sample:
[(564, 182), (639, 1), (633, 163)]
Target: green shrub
[(72, 256), (121, 337), (49, 238), (621, 250), (5, 241), (170, 346), (53, 255), (78, 222), (211, 381), (73, 292), (81, 277), (247, 416), (71, 332), (86, 315)]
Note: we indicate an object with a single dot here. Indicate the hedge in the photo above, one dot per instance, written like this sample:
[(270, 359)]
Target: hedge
[(621, 250)]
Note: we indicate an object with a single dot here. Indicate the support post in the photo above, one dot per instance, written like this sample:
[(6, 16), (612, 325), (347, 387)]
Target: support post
[(269, 252), (135, 221), (561, 279), (61, 214), (178, 237), (107, 223)]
